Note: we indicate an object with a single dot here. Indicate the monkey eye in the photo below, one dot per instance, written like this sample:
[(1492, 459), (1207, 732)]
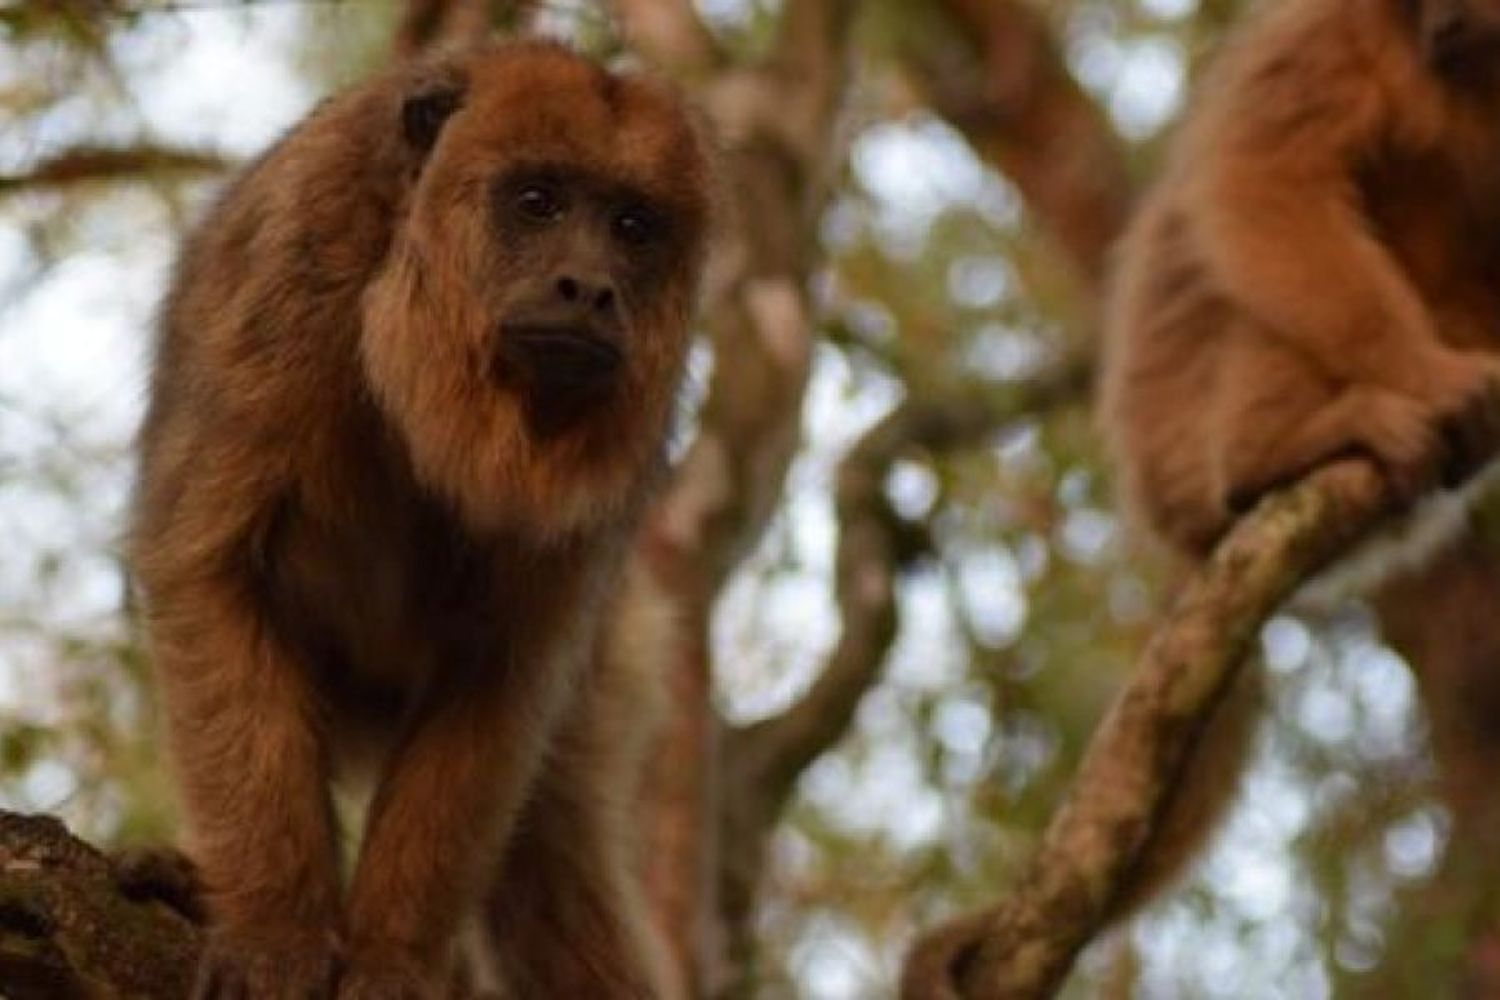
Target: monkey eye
[(539, 202), (636, 226)]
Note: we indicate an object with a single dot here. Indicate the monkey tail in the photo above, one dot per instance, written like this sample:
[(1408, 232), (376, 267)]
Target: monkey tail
[(1204, 791)]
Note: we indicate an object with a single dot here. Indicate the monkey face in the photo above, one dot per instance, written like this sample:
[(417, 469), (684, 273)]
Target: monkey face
[(1460, 39), (528, 331), (579, 251)]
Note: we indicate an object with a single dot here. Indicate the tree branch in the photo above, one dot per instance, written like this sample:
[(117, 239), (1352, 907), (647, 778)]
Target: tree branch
[(670, 34), (428, 23), (1016, 102), (730, 479), (95, 164), (75, 923), (763, 761), (1025, 946), (774, 752)]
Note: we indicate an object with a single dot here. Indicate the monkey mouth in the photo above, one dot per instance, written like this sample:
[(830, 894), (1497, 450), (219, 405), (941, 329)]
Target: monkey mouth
[(561, 359), (563, 372), (1460, 57)]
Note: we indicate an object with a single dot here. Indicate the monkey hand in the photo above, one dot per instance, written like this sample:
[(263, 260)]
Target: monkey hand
[(387, 978), (236, 968), (163, 875), (1465, 401), (1439, 436)]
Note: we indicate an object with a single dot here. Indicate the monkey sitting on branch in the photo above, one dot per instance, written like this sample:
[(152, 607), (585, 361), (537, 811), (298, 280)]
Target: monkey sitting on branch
[(1307, 299), (412, 390), (1315, 276)]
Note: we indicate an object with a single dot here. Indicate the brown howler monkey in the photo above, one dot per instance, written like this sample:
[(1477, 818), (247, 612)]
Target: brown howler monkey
[(1316, 274), (412, 389)]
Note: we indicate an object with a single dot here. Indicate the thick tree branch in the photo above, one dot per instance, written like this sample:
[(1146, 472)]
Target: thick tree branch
[(669, 34), (95, 164), (758, 307), (1025, 946), (763, 761), (762, 327), (1015, 100), (428, 23), (74, 923)]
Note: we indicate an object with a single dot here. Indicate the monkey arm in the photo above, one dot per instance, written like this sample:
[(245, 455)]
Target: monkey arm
[(251, 760), (1295, 253), (439, 817), (1271, 192), (573, 860), (570, 865)]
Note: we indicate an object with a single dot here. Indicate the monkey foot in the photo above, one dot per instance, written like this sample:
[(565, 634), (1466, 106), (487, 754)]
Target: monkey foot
[(238, 970)]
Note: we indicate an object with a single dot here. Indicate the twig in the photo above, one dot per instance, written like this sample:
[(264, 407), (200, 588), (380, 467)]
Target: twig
[(91, 164)]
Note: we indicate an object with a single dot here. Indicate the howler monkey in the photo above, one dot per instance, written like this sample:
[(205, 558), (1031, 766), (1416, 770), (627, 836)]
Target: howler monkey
[(1316, 274), (411, 392)]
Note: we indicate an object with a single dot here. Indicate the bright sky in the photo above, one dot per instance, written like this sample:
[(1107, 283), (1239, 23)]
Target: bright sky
[(73, 342)]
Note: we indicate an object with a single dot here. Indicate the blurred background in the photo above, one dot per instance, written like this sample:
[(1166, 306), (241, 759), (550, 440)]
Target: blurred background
[(891, 533)]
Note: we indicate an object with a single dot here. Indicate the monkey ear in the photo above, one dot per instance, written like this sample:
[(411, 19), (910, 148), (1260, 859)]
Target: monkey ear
[(424, 113)]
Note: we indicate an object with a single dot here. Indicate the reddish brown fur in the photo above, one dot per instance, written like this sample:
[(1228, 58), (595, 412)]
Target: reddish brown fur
[(353, 547), (570, 901), (1312, 272), (1317, 273)]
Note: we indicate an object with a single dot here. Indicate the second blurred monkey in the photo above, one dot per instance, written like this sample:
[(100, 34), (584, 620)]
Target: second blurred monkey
[(1316, 275)]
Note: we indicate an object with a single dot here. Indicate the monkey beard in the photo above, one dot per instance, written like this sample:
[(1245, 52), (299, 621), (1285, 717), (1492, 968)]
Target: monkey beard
[(426, 352)]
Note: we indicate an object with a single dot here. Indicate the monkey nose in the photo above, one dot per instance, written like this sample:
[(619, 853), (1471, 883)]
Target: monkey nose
[(592, 295)]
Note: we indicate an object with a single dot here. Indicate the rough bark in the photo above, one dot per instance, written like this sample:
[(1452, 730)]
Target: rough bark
[(77, 925), (1026, 945)]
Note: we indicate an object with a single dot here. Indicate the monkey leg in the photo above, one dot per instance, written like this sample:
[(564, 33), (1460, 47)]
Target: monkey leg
[(440, 818), (1278, 417), (1155, 409), (567, 915), (244, 740)]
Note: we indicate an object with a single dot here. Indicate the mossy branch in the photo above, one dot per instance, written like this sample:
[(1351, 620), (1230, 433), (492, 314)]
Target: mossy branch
[(1025, 946), (76, 923)]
